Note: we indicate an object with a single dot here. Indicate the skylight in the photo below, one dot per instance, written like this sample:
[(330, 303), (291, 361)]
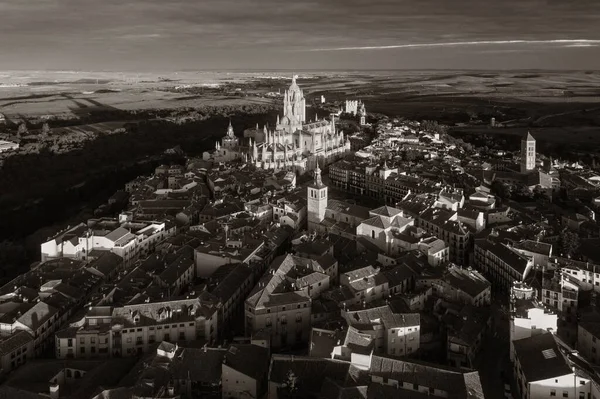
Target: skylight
[(549, 353)]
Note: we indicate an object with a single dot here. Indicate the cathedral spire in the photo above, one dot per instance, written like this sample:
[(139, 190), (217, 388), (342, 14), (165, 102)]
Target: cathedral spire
[(230, 132)]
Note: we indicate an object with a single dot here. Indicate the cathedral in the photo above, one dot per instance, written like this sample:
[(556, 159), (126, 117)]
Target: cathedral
[(296, 144), (227, 150)]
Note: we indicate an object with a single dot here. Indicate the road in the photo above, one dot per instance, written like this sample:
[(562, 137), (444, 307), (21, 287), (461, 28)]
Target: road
[(494, 357)]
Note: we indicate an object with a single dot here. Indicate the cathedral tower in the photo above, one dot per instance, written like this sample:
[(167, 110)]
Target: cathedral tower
[(294, 108), (527, 154), (317, 201), (362, 112)]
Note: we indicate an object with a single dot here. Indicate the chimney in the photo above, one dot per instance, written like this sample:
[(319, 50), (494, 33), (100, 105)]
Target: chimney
[(54, 391)]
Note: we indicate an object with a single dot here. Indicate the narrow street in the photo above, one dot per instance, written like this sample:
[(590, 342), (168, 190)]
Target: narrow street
[(494, 360)]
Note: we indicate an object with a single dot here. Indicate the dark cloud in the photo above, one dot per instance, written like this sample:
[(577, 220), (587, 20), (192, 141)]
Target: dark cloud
[(184, 34)]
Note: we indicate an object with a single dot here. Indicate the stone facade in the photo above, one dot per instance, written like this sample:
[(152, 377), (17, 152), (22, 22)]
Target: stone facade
[(295, 144)]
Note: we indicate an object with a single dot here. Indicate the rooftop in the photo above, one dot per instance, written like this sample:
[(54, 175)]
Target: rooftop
[(540, 358)]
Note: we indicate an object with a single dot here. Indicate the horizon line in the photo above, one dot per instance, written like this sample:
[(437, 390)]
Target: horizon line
[(254, 70)]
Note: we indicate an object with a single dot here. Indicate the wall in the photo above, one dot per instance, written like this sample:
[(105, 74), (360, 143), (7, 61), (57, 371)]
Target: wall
[(567, 383), (403, 341), (236, 384)]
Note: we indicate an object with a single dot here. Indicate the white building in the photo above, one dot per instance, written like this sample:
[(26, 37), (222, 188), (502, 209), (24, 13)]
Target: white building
[(382, 228), (542, 371), (528, 317), (129, 240), (351, 107)]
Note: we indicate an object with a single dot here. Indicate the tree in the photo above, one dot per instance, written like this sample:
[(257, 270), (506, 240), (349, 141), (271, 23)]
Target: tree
[(22, 130), (291, 383), (12, 256), (569, 242), (45, 129), (412, 155), (522, 193), (540, 194), (500, 189)]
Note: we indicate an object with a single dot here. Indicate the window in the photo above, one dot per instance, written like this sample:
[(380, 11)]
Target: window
[(593, 339), (93, 349), (553, 392), (372, 233), (82, 349), (182, 336), (565, 394), (93, 340), (129, 340), (268, 324), (82, 340)]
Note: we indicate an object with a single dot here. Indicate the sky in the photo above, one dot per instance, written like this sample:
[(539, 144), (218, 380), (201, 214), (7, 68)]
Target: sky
[(172, 35)]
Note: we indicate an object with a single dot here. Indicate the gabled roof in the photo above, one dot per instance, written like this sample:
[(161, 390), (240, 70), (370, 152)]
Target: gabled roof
[(248, 359), (387, 211), (37, 315), (15, 341), (455, 382)]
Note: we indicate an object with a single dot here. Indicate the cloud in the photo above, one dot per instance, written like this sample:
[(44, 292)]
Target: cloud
[(276, 33), (141, 36), (562, 42)]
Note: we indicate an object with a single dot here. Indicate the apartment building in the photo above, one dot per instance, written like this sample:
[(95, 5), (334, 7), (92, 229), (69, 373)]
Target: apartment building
[(445, 224), (393, 333), (131, 330), (500, 264), (280, 304), (365, 285)]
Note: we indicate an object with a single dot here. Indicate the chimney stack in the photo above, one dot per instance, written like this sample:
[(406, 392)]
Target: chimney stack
[(54, 391)]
